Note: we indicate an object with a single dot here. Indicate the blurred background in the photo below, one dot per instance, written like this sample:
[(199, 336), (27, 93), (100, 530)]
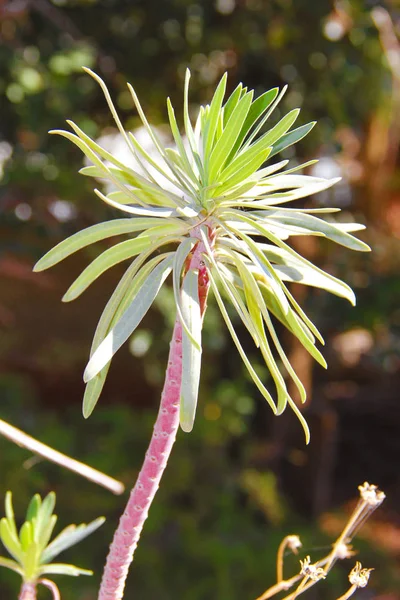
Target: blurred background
[(242, 479)]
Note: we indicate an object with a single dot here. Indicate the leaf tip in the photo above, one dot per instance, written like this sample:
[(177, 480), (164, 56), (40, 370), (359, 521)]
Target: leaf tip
[(186, 426)]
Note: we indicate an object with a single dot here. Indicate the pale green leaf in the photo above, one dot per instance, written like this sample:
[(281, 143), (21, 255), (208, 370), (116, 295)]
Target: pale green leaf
[(93, 234), (239, 347), (10, 540), (314, 224), (243, 170), (109, 258), (10, 513), (62, 569), (191, 353), (129, 320), (43, 516), (10, 564), (120, 299), (70, 536), (181, 255)]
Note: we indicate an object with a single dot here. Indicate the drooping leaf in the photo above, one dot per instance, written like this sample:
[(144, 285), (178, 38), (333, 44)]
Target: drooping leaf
[(129, 320), (191, 353)]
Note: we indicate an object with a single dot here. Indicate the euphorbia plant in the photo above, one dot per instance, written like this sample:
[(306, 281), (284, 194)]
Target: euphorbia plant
[(209, 212), (31, 549)]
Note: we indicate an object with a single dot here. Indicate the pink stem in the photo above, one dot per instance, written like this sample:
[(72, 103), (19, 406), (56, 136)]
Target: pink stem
[(52, 587), (131, 523), (130, 526), (27, 591)]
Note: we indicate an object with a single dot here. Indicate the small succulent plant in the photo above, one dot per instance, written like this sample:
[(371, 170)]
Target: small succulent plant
[(31, 549)]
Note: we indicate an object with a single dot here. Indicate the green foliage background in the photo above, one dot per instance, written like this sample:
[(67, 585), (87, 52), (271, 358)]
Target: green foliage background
[(241, 480)]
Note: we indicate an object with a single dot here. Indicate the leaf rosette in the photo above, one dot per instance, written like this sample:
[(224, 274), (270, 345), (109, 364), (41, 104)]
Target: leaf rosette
[(213, 187), (31, 550)]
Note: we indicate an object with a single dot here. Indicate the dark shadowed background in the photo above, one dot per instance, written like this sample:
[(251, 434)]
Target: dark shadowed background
[(242, 479)]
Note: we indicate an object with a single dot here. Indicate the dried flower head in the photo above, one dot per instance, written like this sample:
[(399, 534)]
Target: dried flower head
[(371, 494), (313, 572), (359, 576), (344, 551), (293, 542)]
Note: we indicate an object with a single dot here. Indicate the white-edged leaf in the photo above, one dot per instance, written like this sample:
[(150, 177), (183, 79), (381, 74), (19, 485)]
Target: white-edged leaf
[(191, 352), (129, 320)]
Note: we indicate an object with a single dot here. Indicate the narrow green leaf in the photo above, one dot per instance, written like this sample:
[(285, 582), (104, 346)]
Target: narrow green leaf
[(33, 507), (223, 146), (288, 139), (109, 258), (266, 116), (62, 569), (191, 353), (119, 301), (212, 118), (179, 142), (46, 532), (284, 253), (186, 119), (93, 234), (231, 103), (314, 224), (181, 255), (30, 562), (243, 170), (26, 535), (10, 514), (142, 211), (129, 320), (44, 514), (111, 106), (239, 347), (10, 540), (10, 564), (258, 107), (255, 312), (70, 536)]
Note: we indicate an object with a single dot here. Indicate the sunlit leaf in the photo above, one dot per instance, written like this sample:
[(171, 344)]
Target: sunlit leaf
[(191, 353)]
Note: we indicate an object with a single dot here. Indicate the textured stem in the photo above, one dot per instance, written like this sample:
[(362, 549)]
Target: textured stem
[(27, 591), (130, 526), (131, 523)]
